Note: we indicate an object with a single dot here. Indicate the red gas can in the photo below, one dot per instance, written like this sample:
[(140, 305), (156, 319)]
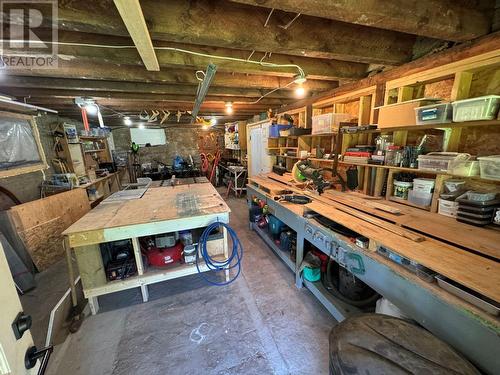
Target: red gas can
[(165, 256)]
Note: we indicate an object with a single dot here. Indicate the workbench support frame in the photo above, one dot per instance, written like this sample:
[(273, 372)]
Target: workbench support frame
[(452, 322)]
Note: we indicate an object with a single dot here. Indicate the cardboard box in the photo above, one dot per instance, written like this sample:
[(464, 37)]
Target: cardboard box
[(401, 114)]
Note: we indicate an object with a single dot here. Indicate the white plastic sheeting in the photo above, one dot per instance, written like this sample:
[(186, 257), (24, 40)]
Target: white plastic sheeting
[(17, 143)]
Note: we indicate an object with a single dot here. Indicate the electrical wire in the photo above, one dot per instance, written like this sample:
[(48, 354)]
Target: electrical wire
[(261, 62), (233, 261), (181, 50)]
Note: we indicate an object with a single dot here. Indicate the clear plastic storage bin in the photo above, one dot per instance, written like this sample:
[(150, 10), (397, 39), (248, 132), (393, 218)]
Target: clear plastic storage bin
[(490, 167), (437, 161), (464, 168), (425, 185), (420, 198), (328, 122), (434, 114), (481, 108)]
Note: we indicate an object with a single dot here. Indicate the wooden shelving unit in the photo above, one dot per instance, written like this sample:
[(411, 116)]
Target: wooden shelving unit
[(455, 81)]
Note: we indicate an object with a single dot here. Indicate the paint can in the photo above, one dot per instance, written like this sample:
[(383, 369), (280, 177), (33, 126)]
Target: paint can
[(190, 253)]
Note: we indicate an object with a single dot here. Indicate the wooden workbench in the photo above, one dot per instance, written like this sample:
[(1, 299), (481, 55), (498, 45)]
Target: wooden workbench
[(160, 210), (469, 329)]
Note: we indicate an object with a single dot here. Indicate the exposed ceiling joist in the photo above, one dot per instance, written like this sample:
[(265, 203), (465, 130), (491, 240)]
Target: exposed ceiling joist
[(323, 69), (131, 14), (113, 86), (84, 69), (447, 20), (228, 25), (56, 94)]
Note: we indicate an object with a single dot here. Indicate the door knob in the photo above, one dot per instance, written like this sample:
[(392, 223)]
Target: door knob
[(21, 324)]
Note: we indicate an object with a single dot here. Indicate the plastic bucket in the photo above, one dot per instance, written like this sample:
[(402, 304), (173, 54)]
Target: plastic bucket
[(312, 274), (424, 185), (401, 189)]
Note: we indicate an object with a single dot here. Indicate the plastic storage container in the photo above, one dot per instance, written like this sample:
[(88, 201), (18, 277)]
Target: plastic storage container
[(480, 197), (401, 189), (490, 167), (454, 185), (437, 161), (447, 208), (496, 216), (434, 114), (274, 130), (425, 185), (464, 168), (420, 198), (481, 108), (327, 122)]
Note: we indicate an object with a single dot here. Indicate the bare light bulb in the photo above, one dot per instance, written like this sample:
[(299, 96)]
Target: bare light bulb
[(91, 109), (229, 110), (141, 126), (127, 121), (300, 91)]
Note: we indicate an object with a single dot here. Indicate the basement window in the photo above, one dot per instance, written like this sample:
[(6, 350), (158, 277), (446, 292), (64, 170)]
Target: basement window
[(142, 137), (20, 147)]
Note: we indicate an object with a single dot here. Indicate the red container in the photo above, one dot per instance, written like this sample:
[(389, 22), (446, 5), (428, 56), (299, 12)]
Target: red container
[(165, 256)]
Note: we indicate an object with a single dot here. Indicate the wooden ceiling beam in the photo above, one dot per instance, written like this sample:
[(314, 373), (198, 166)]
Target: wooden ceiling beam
[(131, 14), (87, 69), (148, 88), (448, 20), (54, 94), (67, 104), (229, 25), (323, 69)]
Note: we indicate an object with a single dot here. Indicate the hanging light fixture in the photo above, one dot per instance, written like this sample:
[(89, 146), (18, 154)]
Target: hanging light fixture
[(127, 121), (229, 108), (299, 78)]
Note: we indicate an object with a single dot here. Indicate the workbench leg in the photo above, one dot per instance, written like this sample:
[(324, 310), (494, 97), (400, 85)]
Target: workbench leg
[(94, 305), (71, 272), (299, 256), (145, 293), (226, 252)]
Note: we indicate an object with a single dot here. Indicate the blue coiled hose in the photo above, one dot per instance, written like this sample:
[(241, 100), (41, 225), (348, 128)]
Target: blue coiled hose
[(233, 261)]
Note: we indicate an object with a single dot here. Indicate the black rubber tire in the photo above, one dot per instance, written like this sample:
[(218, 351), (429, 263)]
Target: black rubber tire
[(380, 344)]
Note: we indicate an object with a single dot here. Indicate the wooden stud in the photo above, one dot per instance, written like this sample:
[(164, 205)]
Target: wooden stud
[(90, 264), (405, 93), (438, 189)]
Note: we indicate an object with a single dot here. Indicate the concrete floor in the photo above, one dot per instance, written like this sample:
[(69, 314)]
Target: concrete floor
[(260, 324)]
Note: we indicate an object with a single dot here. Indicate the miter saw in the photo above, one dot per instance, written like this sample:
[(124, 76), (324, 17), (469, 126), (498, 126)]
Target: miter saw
[(304, 171)]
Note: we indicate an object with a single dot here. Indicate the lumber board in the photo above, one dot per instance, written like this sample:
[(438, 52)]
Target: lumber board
[(273, 188), (286, 179), (471, 270), (156, 205), (370, 219), (481, 240)]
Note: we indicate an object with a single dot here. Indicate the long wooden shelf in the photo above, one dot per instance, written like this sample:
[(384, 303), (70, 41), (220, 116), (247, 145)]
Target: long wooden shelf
[(449, 125), (408, 203), (402, 169), (416, 170)]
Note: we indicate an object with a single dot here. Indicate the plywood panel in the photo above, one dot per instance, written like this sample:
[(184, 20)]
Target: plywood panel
[(39, 224), (158, 204)]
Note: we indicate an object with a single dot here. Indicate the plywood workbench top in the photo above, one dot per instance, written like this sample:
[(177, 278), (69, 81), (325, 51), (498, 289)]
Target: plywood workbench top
[(157, 204)]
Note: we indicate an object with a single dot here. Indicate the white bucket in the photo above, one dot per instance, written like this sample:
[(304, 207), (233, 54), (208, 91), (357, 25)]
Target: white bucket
[(423, 185)]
